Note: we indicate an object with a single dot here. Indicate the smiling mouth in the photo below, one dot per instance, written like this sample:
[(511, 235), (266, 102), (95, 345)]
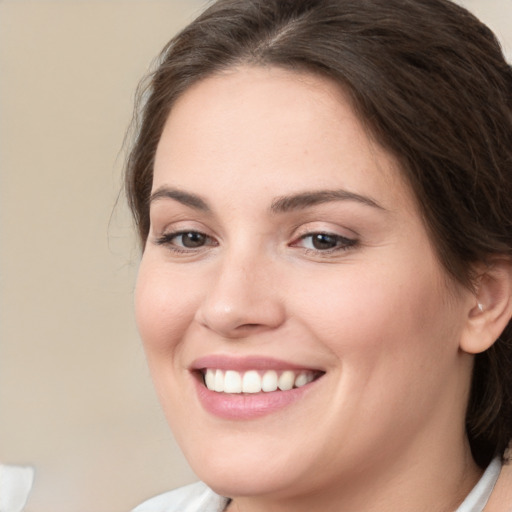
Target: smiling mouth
[(255, 381)]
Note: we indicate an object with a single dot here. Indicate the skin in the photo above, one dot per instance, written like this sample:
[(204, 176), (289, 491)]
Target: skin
[(377, 314), (501, 498)]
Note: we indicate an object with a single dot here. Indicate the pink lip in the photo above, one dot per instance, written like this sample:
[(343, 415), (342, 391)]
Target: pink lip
[(246, 406), (241, 364)]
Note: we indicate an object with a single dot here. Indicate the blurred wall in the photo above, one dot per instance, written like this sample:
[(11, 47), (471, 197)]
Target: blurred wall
[(76, 400), (75, 396)]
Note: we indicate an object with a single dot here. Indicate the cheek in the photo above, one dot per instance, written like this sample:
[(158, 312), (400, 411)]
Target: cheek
[(394, 344), (164, 312), (379, 313), (163, 308)]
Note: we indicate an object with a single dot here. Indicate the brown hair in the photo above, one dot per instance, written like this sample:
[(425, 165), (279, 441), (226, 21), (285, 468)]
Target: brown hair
[(431, 84)]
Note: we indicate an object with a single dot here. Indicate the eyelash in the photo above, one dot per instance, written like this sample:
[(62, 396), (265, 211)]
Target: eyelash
[(167, 239), (342, 243)]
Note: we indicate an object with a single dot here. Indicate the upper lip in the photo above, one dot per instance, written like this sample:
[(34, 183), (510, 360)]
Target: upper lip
[(224, 362)]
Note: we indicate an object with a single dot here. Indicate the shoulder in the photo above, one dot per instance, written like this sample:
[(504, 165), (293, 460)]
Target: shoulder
[(501, 498), (196, 497)]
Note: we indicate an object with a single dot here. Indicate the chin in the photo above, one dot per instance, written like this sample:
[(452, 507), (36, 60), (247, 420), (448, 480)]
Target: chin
[(249, 482), (242, 472)]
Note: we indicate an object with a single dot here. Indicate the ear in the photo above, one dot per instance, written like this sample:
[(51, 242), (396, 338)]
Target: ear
[(491, 309)]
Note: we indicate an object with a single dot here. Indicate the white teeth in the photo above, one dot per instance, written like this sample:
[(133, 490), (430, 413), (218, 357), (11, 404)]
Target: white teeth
[(269, 381), (303, 379), (219, 381), (232, 382), (253, 381), (209, 379), (286, 381)]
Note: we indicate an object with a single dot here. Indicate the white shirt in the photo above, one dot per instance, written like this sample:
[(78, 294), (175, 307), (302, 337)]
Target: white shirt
[(191, 498), (15, 485), (200, 498)]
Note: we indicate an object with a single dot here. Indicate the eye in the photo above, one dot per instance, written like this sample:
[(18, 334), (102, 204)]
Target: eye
[(324, 242), (191, 239), (185, 240)]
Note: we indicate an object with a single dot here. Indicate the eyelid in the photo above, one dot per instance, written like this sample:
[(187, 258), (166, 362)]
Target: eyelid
[(328, 228), (175, 224), (345, 239)]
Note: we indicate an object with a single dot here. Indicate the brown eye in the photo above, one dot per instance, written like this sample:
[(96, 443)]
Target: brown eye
[(192, 239), (185, 240), (323, 241)]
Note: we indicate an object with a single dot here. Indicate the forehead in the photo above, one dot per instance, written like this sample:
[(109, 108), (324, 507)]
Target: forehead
[(282, 128)]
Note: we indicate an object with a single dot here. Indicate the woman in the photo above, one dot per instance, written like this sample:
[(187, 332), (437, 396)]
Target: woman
[(322, 191)]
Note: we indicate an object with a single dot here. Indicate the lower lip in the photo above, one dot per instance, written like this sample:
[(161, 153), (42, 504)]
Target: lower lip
[(247, 406)]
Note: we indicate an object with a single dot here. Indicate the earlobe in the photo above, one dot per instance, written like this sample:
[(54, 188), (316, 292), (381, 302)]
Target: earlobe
[(491, 310)]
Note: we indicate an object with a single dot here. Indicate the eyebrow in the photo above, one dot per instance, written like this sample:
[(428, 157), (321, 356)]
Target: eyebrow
[(306, 199), (281, 204), (186, 198)]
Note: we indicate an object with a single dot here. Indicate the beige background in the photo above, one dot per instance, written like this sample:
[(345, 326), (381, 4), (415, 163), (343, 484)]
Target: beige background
[(75, 396)]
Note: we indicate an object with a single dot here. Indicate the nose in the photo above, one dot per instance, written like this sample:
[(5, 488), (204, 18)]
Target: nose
[(243, 298)]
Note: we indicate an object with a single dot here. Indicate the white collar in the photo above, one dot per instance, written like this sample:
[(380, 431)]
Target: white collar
[(477, 499)]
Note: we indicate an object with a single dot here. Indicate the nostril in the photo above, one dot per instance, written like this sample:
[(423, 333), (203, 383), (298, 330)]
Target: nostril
[(248, 329)]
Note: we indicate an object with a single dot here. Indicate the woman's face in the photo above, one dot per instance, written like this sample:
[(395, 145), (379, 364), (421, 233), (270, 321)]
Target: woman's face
[(286, 250)]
